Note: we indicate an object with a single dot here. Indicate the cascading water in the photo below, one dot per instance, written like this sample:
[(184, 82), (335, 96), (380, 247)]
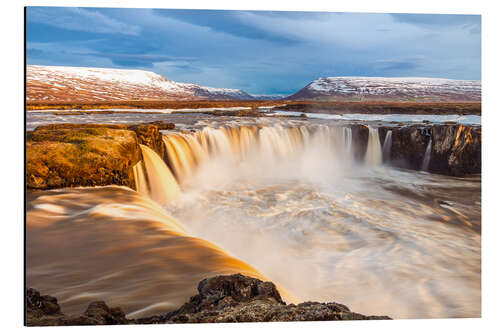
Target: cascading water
[(386, 150), (268, 145), (348, 140), (427, 156), (141, 184), (163, 186), (285, 199), (373, 154)]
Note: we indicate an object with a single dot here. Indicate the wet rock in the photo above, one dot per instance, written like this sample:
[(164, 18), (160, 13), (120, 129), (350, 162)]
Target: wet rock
[(105, 315), (359, 141), (455, 149), (45, 311), (220, 299), (408, 147), (38, 305), (149, 135), (238, 298)]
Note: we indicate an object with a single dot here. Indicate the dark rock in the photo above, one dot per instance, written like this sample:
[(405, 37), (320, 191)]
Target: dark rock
[(45, 311), (105, 315), (238, 298), (359, 141), (228, 298), (408, 147), (456, 150), (37, 305)]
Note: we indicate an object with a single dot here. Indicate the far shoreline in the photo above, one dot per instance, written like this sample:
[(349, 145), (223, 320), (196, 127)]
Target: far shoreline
[(329, 107)]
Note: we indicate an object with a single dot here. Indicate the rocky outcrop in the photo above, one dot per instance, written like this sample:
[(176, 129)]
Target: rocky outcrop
[(149, 135), (68, 155), (80, 155), (359, 141), (44, 311), (455, 149), (220, 299)]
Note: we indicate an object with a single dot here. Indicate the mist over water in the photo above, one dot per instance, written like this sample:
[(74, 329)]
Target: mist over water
[(300, 210), (284, 201)]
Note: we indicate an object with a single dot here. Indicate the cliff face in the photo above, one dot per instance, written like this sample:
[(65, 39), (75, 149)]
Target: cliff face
[(67, 155), (220, 299), (455, 149)]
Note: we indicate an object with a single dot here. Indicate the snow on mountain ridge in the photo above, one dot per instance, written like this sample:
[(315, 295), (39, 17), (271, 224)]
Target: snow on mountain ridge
[(117, 84), (393, 88)]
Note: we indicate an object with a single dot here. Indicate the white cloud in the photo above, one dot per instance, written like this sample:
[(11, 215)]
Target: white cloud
[(357, 31), (80, 19)]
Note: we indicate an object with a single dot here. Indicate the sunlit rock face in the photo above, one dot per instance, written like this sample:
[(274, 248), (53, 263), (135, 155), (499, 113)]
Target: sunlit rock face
[(67, 155)]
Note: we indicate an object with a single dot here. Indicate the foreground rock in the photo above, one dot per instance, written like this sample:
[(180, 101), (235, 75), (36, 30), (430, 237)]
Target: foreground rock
[(44, 311), (221, 299)]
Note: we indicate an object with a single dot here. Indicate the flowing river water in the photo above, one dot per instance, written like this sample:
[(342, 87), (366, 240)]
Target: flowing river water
[(290, 202)]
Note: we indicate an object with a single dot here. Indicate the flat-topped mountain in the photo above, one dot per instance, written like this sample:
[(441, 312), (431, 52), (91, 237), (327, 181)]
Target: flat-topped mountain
[(416, 89), (60, 84)]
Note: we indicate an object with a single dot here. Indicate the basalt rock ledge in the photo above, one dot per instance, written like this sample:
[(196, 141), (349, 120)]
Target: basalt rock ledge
[(220, 299)]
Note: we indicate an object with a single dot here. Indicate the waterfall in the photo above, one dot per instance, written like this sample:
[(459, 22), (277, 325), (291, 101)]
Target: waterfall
[(163, 186), (373, 154), (386, 150), (141, 184), (186, 152), (348, 139), (427, 156)]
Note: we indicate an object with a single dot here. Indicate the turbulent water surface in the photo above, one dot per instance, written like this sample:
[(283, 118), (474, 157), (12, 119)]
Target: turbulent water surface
[(291, 202)]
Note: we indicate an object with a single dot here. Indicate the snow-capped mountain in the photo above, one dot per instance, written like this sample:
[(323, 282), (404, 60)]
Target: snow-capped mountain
[(58, 84), (390, 89)]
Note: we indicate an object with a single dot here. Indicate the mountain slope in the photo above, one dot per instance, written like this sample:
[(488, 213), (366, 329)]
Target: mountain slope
[(60, 84), (390, 89)]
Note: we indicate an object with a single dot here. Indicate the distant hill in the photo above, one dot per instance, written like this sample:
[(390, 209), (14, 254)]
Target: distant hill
[(268, 97), (63, 84), (415, 89)]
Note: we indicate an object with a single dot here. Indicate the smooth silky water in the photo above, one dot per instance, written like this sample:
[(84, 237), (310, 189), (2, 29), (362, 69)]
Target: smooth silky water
[(285, 198), (294, 204)]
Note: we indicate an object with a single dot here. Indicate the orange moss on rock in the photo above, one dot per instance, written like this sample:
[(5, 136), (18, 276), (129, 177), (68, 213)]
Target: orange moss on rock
[(66, 156)]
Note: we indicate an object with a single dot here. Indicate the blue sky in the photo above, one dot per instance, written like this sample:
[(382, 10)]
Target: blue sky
[(261, 52)]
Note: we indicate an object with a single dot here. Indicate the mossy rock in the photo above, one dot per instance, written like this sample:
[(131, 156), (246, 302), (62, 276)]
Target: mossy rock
[(80, 155)]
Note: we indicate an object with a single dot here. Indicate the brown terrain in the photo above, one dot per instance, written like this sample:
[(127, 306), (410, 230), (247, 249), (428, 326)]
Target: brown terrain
[(470, 108)]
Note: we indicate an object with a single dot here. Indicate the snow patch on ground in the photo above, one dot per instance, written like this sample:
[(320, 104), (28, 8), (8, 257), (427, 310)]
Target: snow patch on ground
[(403, 118)]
